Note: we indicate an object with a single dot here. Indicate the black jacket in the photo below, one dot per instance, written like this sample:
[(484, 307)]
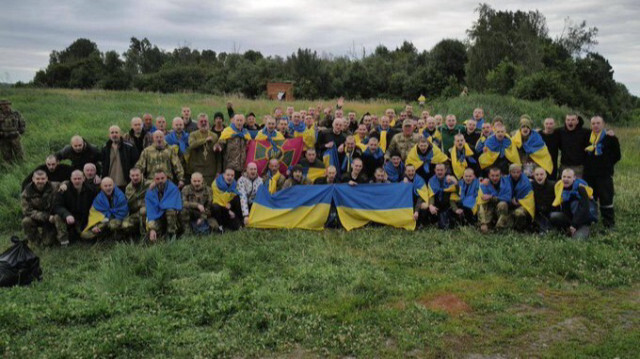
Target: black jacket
[(572, 144), (89, 154), (370, 164), (61, 174), (74, 203), (602, 166), (362, 178), (544, 195), (553, 144), (327, 136), (128, 158)]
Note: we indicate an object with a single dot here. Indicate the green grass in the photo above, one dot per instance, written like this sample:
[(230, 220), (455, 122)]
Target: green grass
[(365, 293)]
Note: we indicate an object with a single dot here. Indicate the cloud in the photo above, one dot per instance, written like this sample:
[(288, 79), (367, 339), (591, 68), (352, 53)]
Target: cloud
[(31, 29)]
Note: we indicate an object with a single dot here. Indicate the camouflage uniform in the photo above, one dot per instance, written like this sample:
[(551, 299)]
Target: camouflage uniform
[(37, 207), (202, 158), (235, 154), (166, 159), (402, 144), (497, 211), (191, 198), (137, 210), (11, 127), (168, 223), (108, 227)]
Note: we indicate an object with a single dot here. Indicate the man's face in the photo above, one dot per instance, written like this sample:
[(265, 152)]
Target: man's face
[(395, 161), (357, 166), (459, 142), (290, 111), (274, 165), (379, 176), (597, 124), (228, 176), (486, 129), (277, 113), (500, 133), (549, 124), (238, 121), (494, 176), (297, 175), (337, 126), (515, 173), (308, 121), (407, 130), (450, 122), (362, 131), (339, 114), (39, 181), (373, 145), (423, 146), (471, 125), (107, 187), (331, 173), (5, 108), (196, 182), (312, 111), (160, 179), (203, 124), (421, 123), (440, 171), (296, 118), (409, 111), (390, 113), (114, 135), (135, 176), (568, 177), (178, 126), (352, 117), (77, 145), (367, 121), (350, 144), (431, 123), (410, 171), (283, 125), (89, 172), (424, 115), (137, 126), (161, 124), (148, 120), (186, 113), (571, 121), (51, 164), (251, 120), (525, 131), (252, 170), (158, 139), (468, 177), (271, 124), (384, 122), (310, 156), (478, 113), (77, 178), (539, 175), (218, 120)]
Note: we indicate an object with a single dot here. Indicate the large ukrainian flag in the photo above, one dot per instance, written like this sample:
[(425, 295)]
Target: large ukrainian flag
[(493, 149), (536, 149), (330, 158), (304, 207), (389, 204)]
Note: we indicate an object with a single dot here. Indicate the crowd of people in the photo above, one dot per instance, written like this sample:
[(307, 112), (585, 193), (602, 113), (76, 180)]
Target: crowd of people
[(193, 177)]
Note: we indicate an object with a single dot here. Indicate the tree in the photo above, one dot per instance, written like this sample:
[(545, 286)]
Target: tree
[(577, 38), (449, 57)]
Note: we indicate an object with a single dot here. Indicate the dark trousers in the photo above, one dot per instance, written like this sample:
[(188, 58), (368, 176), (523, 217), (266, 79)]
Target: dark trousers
[(603, 192), (221, 214), (561, 221), (443, 219), (467, 218)]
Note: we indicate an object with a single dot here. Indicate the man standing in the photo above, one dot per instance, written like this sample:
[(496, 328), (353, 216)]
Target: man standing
[(107, 212), (178, 137), (72, 208), (478, 116), (234, 141), (148, 123), (330, 176), (118, 157), (138, 136), (448, 131), (403, 142), (196, 207), (202, 157), (163, 204), (160, 157), (384, 133), (471, 135), (37, 202), (522, 204), (12, 126), (573, 139), (552, 140), (347, 153), (80, 152), (135, 192), (189, 126), (603, 153), (330, 138)]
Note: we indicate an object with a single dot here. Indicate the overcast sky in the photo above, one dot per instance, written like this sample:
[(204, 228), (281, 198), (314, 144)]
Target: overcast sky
[(31, 29)]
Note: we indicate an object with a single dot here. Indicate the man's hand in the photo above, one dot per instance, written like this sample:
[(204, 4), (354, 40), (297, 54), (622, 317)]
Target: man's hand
[(246, 220), (228, 205), (573, 230), (341, 148), (232, 215), (451, 179), (180, 184), (95, 230), (433, 209), (209, 139), (153, 236), (201, 208), (353, 183), (459, 211), (152, 185), (329, 144), (485, 181), (415, 216), (424, 205), (52, 219), (62, 187), (217, 148), (229, 104), (486, 197), (199, 221), (340, 101), (610, 133), (70, 220), (97, 179)]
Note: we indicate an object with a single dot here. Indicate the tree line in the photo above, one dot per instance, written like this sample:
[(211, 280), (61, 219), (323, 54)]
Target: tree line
[(505, 52)]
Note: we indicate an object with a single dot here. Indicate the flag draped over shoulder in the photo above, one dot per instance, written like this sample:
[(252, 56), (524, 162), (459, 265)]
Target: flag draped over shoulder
[(232, 131), (305, 207), (102, 209), (563, 195), (596, 143), (297, 130), (460, 159), (391, 205), (469, 194), (493, 149), (523, 193), (309, 137), (182, 143), (536, 149), (438, 187), (330, 158), (287, 151), (223, 193), (420, 188), (313, 173), (394, 174), (435, 155), (503, 194), (171, 199)]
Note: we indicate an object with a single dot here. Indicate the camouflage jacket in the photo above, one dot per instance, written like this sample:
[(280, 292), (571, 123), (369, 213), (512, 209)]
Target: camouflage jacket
[(235, 153), (166, 159), (402, 144), (11, 125), (135, 195), (191, 198), (38, 205)]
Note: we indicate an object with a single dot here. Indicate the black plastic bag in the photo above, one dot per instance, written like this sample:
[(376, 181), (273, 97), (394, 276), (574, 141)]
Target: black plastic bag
[(19, 265)]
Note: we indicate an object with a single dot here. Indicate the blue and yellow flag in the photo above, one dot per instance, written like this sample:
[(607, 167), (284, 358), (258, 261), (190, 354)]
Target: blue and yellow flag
[(468, 194), (523, 193), (264, 134), (420, 188), (504, 194), (182, 143), (596, 143), (391, 205), (435, 137), (563, 195), (383, 138), (394, 174), (171, 199), (309, 137), (493, 149), (438, 187), (101, 208), (232, 131), (435, 155), (536, 149), (330, 158), (223, 193), (313, 173), (361, 143), (297, 130), (305, 207), (460, 160)]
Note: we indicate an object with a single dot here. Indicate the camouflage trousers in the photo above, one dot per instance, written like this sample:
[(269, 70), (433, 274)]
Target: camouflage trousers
[(167, 224), (500, 214), (31, 229), (111, 228), (136, 223), (11, 150), (187, 215), (66, 232)]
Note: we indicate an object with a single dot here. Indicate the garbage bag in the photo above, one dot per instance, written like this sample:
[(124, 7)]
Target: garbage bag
[(19, 265)]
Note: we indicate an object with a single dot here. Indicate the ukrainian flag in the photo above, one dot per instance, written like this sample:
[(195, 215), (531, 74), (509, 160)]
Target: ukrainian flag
[(305, 207), (439, 189), (361, 143), (504, 194), (171, 199), (330, 158), (563, 195), (469, 194), (265, 135), (232, 131), (309, 137), (390, 204), (536, 149), (435, 155), (460, 164), (596, 143), (494, 149), (313, 173), (101, 209), (421, 189), (523, 193), (223, 193)]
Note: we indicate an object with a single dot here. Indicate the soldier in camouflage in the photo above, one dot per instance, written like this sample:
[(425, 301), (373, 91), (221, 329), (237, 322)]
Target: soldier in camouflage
[(12, 126), (135, 222), (37, 202), (196, 204), (160, 156), (403, 142)]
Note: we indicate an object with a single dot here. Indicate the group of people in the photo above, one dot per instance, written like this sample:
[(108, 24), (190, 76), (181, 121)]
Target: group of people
[(193, 178)]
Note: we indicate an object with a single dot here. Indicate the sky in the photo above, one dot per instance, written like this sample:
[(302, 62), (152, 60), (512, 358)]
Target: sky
[(31, 29)]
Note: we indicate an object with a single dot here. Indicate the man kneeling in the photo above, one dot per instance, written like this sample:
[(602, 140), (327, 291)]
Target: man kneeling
[(493, 201), (574, 206), (226, 201), (163, 203), (438, 210), (196, 201), (106, 215)]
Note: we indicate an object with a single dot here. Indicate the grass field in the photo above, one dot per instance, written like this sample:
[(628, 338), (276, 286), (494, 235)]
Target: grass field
[(375, 292)]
